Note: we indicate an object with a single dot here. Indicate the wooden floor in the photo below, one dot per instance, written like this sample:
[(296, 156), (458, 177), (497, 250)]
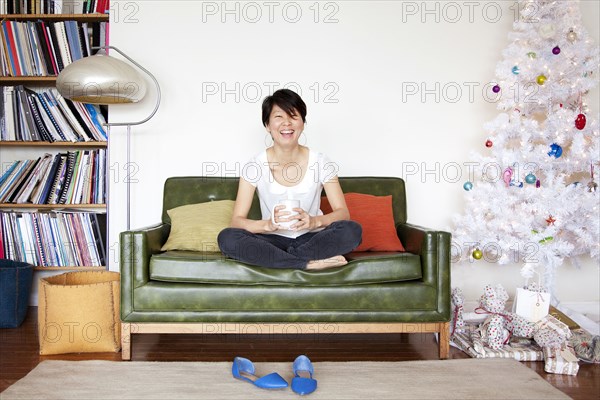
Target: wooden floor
[(19, 352)]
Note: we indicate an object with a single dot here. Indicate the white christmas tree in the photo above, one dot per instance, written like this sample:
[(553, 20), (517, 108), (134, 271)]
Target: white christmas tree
[(533, 199)]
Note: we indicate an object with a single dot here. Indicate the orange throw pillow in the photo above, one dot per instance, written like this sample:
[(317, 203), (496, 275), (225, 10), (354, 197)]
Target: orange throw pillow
[(374, 214)]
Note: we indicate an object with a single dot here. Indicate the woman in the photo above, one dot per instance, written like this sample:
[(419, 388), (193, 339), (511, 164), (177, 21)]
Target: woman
[(288, 170)]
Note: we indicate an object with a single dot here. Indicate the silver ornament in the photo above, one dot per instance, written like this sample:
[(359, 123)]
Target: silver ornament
[(571, 36)]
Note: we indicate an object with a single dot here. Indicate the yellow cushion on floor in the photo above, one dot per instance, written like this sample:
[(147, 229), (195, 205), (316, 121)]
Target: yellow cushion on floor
[(78, 312)]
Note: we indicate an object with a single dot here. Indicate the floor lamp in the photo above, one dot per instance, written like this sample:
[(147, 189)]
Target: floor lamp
[(102, 79)]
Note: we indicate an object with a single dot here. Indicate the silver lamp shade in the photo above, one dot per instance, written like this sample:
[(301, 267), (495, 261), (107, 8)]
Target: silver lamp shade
[(101, 79)]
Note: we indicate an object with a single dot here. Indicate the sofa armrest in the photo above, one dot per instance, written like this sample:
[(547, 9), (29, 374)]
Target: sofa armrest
[(136, 248), (434, 248)]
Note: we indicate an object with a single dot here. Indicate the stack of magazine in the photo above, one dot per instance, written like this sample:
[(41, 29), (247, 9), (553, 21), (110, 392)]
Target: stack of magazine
[(54, 238), (42, 114), (44, 48), (73, 177)]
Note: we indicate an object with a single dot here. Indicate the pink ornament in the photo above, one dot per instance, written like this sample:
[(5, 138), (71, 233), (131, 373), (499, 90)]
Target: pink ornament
[(507, 176)]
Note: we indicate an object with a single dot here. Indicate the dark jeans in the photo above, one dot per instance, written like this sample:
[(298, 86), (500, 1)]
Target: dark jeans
[(275, 251)]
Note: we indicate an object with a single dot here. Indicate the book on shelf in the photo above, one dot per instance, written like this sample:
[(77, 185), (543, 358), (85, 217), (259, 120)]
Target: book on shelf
[(44, 48), (2, 236), (6, 174), (42, 114), (20, 180), (42, 193), (34, 180), (58, 180), (53, 238), (9, 176), (64, 178)]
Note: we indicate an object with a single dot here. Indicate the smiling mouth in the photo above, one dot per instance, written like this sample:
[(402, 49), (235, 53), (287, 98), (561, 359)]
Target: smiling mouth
[(287, 132)]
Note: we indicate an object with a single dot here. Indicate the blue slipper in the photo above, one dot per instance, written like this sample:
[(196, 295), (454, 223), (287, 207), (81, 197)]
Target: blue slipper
[(243, 369), (303, 382)]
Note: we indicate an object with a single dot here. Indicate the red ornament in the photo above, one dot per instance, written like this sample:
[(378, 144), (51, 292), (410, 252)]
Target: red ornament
[(488, 143), (551, 220), (580, 122)]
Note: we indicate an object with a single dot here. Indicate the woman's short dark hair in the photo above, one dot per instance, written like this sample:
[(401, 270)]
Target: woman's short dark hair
[(287, 100)]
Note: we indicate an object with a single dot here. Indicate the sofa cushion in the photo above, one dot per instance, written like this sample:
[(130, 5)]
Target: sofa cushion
[(363, 268), (375, 215), (196, 226)]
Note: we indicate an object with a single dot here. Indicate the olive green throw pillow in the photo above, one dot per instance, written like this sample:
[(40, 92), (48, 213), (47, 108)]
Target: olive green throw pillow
[(196, 226)]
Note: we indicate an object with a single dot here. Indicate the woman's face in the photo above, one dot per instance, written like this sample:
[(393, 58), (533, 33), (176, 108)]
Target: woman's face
[(285, 129)]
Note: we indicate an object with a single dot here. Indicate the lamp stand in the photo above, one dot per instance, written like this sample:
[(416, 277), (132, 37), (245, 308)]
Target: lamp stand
[(129, 125)]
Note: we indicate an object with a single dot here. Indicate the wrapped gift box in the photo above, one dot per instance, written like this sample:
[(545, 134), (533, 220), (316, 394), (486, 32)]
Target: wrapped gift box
[(560, 360), (521, 349), (563, 318), (550, 332)]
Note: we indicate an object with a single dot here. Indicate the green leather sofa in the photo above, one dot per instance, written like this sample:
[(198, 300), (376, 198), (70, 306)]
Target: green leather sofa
[(192, 292)]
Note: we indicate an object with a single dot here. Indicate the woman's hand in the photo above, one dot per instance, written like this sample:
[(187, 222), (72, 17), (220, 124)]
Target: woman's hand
[(305, 220), (278, 216)]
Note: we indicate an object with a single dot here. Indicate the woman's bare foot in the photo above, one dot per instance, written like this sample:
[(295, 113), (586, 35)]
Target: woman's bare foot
[(336, 261)]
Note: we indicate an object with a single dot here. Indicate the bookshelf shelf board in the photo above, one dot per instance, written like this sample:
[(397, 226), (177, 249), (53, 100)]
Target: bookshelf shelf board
[(69, 268), (57, 17), (54, 206), (21, 143), (27, 80)]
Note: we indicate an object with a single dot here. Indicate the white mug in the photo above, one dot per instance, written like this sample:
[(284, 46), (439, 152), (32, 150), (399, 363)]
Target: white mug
[(289, 206)]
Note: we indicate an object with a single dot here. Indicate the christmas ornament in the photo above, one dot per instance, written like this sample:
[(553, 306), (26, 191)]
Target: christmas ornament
[(488, 143), (546, 31), (544, 240), (531, 55), (507, 176), (516, 70), (468, 186), (556, 51), (538, 183), (555, 150), (477, 254), (496, 89), (592, 186), (541, 79), (530, 178), (571, 36), (516, 184), (550, 220), (580, 121)]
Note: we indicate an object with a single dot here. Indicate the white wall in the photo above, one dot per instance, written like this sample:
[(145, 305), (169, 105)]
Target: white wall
[(351, 72)]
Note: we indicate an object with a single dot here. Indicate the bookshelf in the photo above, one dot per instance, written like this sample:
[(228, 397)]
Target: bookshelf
[(80, 224)]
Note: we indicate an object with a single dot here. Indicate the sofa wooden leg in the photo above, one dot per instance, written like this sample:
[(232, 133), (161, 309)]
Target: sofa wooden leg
[(444, 340), (125, 341)]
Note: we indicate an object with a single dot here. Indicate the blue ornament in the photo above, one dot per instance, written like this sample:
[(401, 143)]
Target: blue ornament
[(555, 150), (516, 184), (530, 178), (468, 186), (516, 70)]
